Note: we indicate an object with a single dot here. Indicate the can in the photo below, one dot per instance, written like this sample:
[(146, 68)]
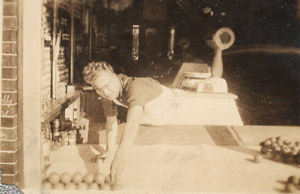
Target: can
[(55, 130), (46, 151), (72, 137), (48, 131), (64, 138)]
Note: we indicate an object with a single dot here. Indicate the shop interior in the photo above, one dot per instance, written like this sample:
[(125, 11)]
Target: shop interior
[(161, 39)]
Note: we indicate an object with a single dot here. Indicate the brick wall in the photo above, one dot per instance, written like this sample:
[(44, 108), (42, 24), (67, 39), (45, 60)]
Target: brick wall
[(9, 164)]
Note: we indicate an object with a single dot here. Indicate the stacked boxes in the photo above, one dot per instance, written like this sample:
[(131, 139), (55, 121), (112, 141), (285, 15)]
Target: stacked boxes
[(46, 66), (47, 23), (66, 30), (62, 75)]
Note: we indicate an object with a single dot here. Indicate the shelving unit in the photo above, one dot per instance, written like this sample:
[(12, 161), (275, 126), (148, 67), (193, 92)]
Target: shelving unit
[(57, 107), (57, 67), (57, 104), (48, 56)]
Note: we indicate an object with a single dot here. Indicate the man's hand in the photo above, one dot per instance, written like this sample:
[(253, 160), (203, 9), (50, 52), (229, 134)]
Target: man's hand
[(130, 130), (117, 168)]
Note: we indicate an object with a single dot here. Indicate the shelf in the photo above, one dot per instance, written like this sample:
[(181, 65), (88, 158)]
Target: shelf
[(56, 107)]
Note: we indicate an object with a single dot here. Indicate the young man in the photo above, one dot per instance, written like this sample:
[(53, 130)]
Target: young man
[(147, 102), (139, 95)]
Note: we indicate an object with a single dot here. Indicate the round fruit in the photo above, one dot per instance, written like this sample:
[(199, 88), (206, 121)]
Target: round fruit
[(264, 150), (89, 178), (280, 142), (54, 178), (70, 186), (292, 180), (286, 150), (116, 187), (47, 185), (273, 139), (106, 187), (275, 144), (291, 145), (286, 142), (58, 186), (94, 186), (290, 188), (277, 149), (100, 178), (66, 177), (82, 186), (267, 142), (258, 158), (77, 178)]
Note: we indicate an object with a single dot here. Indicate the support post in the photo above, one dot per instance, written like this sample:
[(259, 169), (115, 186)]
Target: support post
[(72, 44), (32, 60)]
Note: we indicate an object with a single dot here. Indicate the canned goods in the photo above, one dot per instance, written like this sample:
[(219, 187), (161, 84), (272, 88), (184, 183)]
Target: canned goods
[(64, 138), (72, 137), (55, 130), (46, 151), (56, 123), (48, 131)]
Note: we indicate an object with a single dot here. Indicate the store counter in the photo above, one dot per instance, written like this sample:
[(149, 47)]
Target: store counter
[(190, 159)]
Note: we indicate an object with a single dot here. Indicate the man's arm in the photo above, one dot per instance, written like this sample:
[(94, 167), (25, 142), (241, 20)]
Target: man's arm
[(111, 133), (130, 130)]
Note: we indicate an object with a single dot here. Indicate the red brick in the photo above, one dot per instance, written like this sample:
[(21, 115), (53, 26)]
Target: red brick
[(10, 179), (9, 134), (9, 121), (9, 60), (9, 109), (10, 22), (9, 35), (9, 9), (9, 97), (9, 73), (9, 48), (8, 157), (10, 168), (9, 85), (8, 145)]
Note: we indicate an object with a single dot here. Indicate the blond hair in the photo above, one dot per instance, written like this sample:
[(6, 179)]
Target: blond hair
[(90, 71)]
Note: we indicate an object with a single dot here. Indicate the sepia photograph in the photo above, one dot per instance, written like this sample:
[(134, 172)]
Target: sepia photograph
[(149, 96)]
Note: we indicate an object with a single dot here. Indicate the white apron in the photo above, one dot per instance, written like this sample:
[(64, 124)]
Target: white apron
[(161, 110)]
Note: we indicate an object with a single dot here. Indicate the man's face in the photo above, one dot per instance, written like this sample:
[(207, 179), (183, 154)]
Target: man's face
[(107, 85)]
